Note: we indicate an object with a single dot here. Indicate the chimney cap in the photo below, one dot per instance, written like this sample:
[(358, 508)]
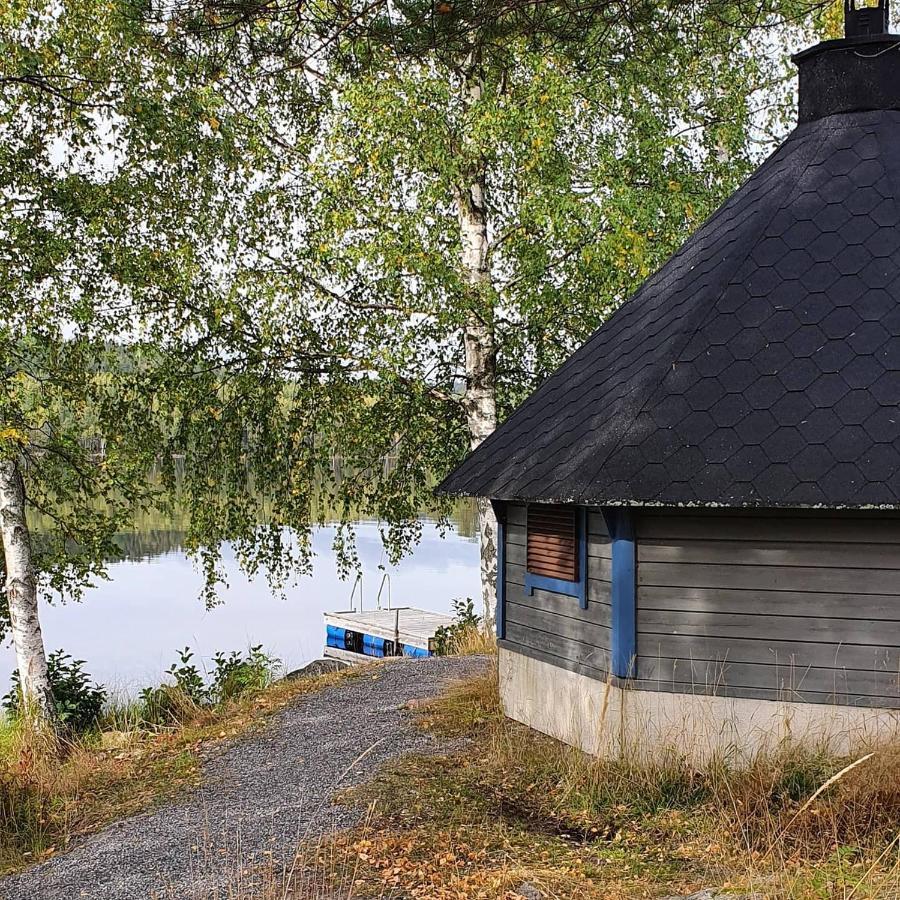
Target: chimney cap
[(859, 43)]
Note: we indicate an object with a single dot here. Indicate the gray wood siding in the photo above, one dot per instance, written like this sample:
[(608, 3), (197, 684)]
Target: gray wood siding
[(553, 626), (801, 607)]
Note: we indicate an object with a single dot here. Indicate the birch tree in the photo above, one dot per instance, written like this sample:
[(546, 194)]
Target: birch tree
[(21, 589), (124, 176), (487, 186)]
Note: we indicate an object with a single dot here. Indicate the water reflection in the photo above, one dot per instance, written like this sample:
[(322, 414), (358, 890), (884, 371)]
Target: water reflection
[(129, 627)]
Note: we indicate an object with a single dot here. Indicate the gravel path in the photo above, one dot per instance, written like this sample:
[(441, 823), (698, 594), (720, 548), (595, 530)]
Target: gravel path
[(259, 794)]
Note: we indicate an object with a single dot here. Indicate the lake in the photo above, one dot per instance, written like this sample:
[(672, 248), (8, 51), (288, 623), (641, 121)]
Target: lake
[(129, 628)]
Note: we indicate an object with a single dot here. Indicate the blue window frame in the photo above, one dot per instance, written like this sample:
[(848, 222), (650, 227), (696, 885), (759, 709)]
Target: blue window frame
[(558, 585)]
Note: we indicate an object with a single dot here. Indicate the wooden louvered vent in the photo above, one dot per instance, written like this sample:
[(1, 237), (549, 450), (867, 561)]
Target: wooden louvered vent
[(553, 542)]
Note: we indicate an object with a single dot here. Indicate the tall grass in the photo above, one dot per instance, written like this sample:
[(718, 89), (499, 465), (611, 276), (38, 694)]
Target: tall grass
[(473, 640), (321, 869), (792, 808), (30, 801), (52, 788)]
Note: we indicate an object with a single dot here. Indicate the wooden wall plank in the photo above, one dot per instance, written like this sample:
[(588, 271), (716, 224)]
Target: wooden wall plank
[(599, 591), (802, 603), (515, 514), (789, 528), (515, 574), (863, 631), (599, 546), (782, 578), (578, 652), (597, 612), (516, 534), (715, 677), (852, 555), (516, 554), (600, 569), (538, 619), (562, 661), (826, 656), (597, 524)]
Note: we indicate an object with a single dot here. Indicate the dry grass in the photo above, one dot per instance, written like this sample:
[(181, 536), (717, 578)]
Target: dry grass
[(49, 796), (323, 869), (515, 806), (474, 640)]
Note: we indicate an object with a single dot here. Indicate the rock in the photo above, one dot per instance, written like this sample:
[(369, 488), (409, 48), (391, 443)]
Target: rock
[(528, 891), (317, 667), (417, 703)]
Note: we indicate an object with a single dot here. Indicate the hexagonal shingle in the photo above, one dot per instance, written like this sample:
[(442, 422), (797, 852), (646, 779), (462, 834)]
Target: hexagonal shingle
[(759, 366)]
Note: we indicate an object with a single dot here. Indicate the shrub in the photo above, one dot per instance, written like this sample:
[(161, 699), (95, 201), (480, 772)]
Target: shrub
[(79, 701), (447, 638), (170, 704), (188, 679), (235, 675)]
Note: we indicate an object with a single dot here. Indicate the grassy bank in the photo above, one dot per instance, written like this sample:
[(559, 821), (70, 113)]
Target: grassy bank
[(503, 813), (51, 793), (513, 809), (113, 758)]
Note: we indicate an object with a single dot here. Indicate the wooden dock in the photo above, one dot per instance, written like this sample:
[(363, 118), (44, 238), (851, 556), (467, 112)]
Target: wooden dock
[(403, 631)]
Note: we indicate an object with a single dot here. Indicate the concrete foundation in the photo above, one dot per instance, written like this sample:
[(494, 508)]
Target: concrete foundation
[(605, 720)]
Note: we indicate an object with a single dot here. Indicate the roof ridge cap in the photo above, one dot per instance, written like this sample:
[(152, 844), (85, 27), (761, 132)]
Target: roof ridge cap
[(888, 157)]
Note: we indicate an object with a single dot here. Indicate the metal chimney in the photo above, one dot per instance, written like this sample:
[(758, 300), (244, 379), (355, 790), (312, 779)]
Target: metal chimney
[(859, 72), (862, 20)]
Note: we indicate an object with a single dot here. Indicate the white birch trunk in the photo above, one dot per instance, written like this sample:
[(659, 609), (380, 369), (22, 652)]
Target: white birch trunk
[(480, 348), (21, 594)]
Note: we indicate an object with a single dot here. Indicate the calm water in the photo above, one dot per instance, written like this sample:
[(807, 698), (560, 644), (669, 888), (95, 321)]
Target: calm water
[(129, 628)]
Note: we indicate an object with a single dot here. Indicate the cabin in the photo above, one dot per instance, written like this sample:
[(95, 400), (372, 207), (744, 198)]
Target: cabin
[(699, 543)]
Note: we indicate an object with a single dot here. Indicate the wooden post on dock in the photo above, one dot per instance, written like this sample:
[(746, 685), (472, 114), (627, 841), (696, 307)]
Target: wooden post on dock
[(397, 633)]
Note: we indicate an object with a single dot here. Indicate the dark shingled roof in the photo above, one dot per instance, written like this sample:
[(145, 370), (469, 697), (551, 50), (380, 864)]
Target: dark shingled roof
[(759, 367)]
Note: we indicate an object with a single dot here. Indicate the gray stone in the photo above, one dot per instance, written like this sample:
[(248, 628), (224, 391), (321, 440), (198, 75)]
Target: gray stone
[(317, 667), (528, 891)]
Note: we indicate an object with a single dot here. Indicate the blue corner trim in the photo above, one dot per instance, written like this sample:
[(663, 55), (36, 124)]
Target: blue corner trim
[(559, 586), (582, 556), (624, 606), (500, 613)]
